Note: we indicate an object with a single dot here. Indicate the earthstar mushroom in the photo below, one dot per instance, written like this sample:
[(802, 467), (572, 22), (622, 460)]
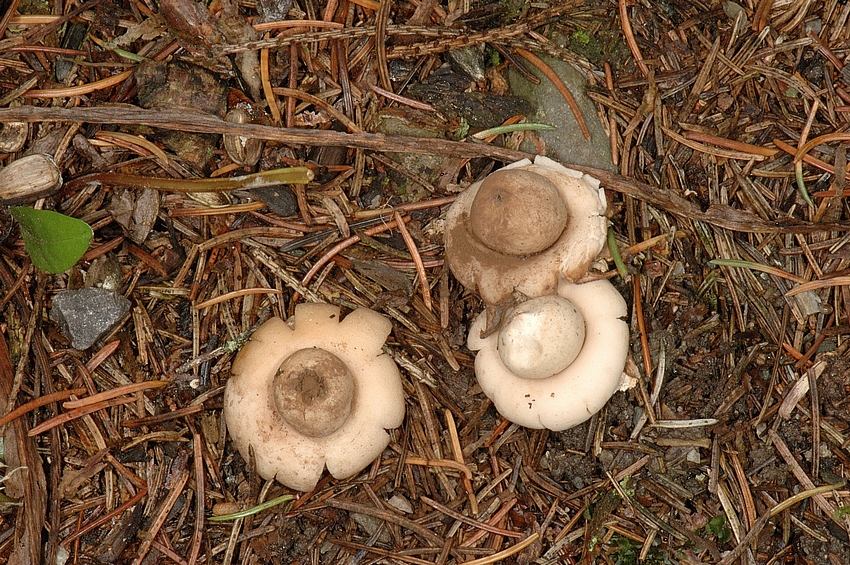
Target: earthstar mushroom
[(523, 226), (313, 393), (544, 369)]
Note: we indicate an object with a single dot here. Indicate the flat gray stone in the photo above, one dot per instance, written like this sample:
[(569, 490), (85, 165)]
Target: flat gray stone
[(566, 144), (86, 314)]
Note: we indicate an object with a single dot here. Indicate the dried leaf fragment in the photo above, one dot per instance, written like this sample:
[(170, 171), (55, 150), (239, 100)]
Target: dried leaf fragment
[(244, 151), (29, 178)]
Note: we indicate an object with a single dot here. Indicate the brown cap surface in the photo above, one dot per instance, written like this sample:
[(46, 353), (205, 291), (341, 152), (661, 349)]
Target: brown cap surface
[(482, 253)]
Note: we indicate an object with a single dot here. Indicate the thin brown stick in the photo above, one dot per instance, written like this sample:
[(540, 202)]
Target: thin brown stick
[(198, 122)]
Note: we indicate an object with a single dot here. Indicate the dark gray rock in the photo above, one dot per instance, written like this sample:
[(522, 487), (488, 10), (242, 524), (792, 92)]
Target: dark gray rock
[(86, 314), (280, 199), (566, 144)]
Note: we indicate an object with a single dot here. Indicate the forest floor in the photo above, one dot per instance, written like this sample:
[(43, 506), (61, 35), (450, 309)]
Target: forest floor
[(725, 176)]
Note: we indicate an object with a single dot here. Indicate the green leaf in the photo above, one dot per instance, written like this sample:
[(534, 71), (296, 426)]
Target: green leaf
[(54, 242)]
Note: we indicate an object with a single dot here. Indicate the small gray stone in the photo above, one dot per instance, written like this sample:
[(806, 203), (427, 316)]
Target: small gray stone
[(280, 199), (86, 314), (566, 144)]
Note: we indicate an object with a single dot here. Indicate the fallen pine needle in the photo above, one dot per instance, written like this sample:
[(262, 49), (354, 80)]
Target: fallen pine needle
[(730, 144), (417, 259), (514, 549), (423, 462), (113, 393), (817, 285), (711, 150), (626, 24), (76, 413), (757, 267), (79, 90), (38, 403), (236, 294)]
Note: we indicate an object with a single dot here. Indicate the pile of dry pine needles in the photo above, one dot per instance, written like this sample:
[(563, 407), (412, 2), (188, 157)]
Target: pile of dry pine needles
[(728, 124)]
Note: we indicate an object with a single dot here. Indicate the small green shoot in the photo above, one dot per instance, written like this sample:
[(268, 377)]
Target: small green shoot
[(581, 37), (718, 527), (498, 130), (628, 553), (253, 510), (801, 185), (55, 242), (615, 254), (118, 51), (842, 512)]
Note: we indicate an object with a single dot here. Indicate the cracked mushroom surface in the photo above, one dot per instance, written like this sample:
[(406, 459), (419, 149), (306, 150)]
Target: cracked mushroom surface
[(313, 393), (557, 359), (524, 225)]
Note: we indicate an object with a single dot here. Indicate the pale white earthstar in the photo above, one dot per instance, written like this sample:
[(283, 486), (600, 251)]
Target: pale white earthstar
[(313, 393), (557, 359)]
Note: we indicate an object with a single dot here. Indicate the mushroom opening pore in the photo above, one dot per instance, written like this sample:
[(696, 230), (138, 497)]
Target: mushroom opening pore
[(313, 392), (541, 337), (517, 212)]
